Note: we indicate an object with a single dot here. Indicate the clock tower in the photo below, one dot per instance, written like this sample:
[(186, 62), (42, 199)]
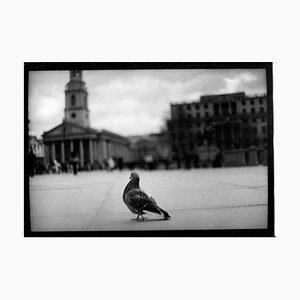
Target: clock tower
[(76, 108)]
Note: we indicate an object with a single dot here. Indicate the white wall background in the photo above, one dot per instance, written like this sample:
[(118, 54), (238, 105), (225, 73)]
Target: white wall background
[(98, 268)]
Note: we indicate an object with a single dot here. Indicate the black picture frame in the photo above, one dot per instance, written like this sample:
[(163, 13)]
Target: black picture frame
[(47, 66)]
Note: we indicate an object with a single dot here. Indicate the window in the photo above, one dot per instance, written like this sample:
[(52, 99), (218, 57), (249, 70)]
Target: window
[(253, 111), (261, 109), (260, 101), (198, 116), (254, 130), (73, 100), (252, 102), (197, 106), (206, 115), (205, 106), (233, 108), (73, 115), (216, 109), (264, 129), (244, 111), (254, 120), (243, 102), (189, 107), (225, 108)]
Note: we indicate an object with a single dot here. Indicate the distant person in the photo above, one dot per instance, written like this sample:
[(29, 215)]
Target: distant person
[(111, 164), (217, 161), (74, 161), (64, 167), (57, 166), (187, 162), (104, 164), (148, 159), (31, 162), (120, 163)]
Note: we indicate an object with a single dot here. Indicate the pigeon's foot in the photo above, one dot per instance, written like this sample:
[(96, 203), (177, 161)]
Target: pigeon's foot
[(140, 219)]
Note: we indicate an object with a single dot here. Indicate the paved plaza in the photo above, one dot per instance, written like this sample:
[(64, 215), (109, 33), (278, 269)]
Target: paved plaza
[(228, 198)]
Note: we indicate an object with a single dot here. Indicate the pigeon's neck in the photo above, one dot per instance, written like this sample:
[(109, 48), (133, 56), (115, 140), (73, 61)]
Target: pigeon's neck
[(134, 183)]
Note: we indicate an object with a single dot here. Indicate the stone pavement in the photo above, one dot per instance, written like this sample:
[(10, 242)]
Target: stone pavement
[(228, 198)]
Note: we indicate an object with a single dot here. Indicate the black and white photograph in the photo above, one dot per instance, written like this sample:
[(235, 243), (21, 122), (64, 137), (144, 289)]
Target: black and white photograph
[(149, 149)]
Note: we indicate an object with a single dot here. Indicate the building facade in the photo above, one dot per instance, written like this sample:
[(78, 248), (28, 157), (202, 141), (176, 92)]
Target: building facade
[(74, 134), (201, 130), (154, 148), (37, 147)]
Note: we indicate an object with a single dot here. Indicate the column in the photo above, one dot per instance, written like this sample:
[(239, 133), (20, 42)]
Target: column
[(95, 149), (108, 148), (62, 151), (91, 151), (46, 154), (104, 149), (81, 157), (53, 151), (71, 146)]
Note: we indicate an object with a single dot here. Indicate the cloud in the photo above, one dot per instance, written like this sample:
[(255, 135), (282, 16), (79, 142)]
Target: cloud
[(252, 82)]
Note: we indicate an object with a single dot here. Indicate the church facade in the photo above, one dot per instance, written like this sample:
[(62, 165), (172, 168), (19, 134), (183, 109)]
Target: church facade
[(74, 134)]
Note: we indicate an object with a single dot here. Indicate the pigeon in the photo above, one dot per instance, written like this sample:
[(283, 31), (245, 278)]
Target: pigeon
[(138, 201)]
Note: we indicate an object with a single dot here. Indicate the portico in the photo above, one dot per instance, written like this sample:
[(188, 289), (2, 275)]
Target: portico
[(68, 137), (90, 145)]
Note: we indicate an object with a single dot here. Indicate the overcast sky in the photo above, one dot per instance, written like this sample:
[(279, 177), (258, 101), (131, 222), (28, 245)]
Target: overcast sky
[(132, 102)]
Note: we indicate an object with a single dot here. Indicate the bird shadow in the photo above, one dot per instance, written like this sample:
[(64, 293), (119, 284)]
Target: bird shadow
[(150, 220)]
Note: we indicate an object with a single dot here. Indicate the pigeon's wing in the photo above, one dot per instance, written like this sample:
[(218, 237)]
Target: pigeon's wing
[(140, 201), (152, 199)]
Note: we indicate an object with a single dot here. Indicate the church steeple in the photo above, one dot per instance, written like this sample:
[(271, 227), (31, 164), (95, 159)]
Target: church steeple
[(76, 75), (76, 108)]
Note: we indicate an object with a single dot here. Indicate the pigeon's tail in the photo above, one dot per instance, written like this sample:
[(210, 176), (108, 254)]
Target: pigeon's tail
[(166, 215)]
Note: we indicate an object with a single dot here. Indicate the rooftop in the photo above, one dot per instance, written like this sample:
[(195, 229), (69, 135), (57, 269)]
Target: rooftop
[(219, 97)]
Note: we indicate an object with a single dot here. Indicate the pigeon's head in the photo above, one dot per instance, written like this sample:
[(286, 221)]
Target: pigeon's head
[(134, 175)]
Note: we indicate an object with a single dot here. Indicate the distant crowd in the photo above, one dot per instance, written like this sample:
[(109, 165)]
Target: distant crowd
[(72, 165), (115, 163)]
